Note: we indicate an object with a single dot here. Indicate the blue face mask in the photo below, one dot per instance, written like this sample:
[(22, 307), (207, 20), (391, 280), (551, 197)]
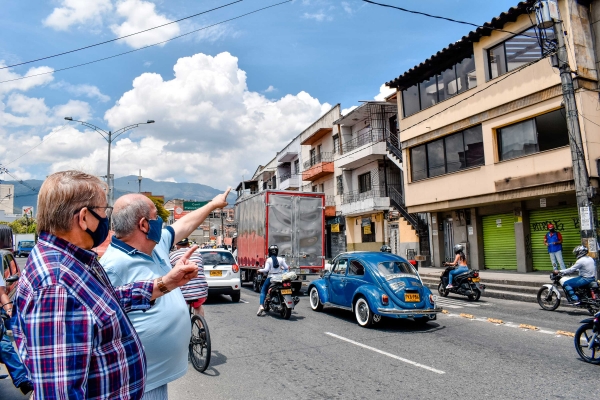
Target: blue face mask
[(155, 230)]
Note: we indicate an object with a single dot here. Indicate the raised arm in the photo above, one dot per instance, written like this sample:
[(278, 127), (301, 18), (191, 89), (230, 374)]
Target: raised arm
[(188, 223)]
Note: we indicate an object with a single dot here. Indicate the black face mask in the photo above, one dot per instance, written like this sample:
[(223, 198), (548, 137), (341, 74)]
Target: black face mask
[(552, 230), (101, 232)]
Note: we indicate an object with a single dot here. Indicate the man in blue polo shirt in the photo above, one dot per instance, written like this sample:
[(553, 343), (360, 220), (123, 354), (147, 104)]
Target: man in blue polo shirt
[(140, 250)]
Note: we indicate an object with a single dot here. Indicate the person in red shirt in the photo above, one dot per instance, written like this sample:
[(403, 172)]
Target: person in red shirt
[(553, 240)]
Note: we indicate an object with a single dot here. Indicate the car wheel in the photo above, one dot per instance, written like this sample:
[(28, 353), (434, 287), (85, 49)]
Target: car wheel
[(315, 300), (363, 313), (235, 298)]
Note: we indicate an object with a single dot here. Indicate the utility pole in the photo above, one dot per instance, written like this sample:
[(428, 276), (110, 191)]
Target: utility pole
[(140, 182), (222, 230), (548, 15)]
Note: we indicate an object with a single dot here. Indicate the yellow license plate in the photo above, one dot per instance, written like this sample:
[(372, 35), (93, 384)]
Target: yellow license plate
[(216, 273), (286, 291), (412, 297), (475, 279)]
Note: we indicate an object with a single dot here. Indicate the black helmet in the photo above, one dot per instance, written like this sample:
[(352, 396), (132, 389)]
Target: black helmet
[(386, 249), (580, 251), (457, 248), (273, 250)]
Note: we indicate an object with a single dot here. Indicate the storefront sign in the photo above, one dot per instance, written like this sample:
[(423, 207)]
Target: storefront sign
[(498, 223), (334, 220), (366, 222), (470, 228), (543, 202), (584, 214), (335, 228), (367, 229), (592, 245)]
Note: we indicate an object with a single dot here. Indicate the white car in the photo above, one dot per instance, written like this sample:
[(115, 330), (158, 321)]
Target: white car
[(222, 273)]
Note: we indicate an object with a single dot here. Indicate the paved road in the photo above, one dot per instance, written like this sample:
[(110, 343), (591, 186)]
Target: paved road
[(327, 355)]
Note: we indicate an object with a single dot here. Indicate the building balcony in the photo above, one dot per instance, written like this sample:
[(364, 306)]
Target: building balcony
[(367, 147), (289, 182), (318, 166), (330, 207), (356, 203)]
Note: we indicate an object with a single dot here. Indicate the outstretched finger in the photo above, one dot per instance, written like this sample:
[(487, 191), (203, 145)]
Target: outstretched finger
[(227, 192), (188, 254)]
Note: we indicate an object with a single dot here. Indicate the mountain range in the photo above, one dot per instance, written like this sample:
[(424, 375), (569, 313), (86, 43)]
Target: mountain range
[(26, 191)]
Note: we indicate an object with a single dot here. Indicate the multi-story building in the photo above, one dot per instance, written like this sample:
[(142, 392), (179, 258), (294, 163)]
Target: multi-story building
[(485, 140), (319, 146), (289, 172), (369, 179), (7, 198)]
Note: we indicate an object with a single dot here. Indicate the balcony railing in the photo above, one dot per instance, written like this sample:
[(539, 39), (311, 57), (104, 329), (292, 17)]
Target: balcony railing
[(329, 201), (285, 176), (317, 159), (356, 195), (371, 136)]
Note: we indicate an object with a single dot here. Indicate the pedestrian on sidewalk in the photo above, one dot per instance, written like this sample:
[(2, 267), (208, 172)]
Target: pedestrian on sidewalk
[(140, 250), (195, 291), (553, 240), (69, 323), (8, 355)]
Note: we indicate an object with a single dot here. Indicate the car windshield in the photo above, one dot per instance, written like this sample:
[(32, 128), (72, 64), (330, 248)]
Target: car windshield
[(27, 244), (395, 269), (217, 257)]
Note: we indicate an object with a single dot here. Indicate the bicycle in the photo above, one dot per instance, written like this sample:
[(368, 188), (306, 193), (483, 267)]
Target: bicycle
[(199, 347)]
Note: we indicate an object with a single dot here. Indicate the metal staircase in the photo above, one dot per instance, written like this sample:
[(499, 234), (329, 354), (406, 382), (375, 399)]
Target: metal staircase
[(417, 221)]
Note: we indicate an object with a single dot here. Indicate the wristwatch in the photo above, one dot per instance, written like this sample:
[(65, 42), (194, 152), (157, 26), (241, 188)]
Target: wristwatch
[(161, 286)]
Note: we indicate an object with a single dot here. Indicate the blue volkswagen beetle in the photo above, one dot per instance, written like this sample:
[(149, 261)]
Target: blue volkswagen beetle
[(372, 285)]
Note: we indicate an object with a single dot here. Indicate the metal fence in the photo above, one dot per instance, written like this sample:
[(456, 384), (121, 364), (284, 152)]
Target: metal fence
[(370, 136), (355, 195), (318, 158)]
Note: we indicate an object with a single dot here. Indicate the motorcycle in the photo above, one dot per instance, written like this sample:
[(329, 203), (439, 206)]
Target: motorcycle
[(279, 296), (549, 295), (466, 284), (587, 340)]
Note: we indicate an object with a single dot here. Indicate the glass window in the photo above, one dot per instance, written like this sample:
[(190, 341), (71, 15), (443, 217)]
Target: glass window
[(340, 185), (356, 268), (390, 268), (497, 61), (314, 188), (217, 258), (418, 162), (447, 84), (410, 100), (473, 138), (428, 93), (455, 152), (340, 267), (364, 182), (544, 132), (336, 144), (435, 158), (465, 74), (296, 167)]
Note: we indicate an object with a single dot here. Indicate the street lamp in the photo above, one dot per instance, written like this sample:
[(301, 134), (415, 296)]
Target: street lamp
[(110, 136)]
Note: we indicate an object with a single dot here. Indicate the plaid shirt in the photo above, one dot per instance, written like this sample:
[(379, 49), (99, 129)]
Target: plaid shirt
[(71, 328)]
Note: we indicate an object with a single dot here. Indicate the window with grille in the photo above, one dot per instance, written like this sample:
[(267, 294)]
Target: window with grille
[(340, 185), (364, 182)]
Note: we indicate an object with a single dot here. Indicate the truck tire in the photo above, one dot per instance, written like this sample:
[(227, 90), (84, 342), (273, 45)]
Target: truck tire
[(255, 285)]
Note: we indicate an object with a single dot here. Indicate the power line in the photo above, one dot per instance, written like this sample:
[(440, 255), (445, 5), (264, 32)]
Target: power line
[(37, 145), (442, 18), (119, 38), (145, 47)]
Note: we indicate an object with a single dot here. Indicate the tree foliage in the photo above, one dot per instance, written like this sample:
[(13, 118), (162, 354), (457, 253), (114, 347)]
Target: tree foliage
[(160, 207), (22, 225)]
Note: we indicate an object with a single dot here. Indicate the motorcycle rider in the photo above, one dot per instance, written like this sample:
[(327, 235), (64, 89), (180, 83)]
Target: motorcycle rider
[(587, 272), (273, 266), (386, 249), (460, 262)]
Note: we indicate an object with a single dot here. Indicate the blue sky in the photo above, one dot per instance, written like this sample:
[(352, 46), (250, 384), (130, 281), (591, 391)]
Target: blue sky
[(240, 92)]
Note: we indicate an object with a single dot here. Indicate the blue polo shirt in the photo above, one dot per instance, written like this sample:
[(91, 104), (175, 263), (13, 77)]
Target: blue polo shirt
[(165, 328)]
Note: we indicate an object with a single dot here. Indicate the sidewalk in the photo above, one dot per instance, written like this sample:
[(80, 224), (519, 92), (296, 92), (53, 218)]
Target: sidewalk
[(509, 285)]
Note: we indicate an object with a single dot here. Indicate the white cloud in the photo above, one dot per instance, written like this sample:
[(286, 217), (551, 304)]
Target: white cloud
[(270, 89), (384, 92), (76, 12), (75, 109), (346, 7), (24, 84), (147, 63), (140, 15), (319, 16), (348, 110), (82, 90), (209, 127)]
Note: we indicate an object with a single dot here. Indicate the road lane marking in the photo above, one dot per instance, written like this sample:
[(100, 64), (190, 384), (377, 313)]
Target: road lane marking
[(457, 303), (244, 301), (530, 327), (495, 321), (364, 346), (565, 333), (468, 316)]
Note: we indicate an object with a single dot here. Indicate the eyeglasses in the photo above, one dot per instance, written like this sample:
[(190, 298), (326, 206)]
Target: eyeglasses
[(107, 209)]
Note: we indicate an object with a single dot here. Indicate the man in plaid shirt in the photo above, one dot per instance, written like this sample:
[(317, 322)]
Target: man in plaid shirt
[(70, 323)]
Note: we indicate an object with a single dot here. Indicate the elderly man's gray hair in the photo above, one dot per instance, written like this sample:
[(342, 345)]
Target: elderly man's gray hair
[(125, 219)]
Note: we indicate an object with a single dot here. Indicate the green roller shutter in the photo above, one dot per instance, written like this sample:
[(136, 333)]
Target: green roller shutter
[(499, 245), (566, 221)]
